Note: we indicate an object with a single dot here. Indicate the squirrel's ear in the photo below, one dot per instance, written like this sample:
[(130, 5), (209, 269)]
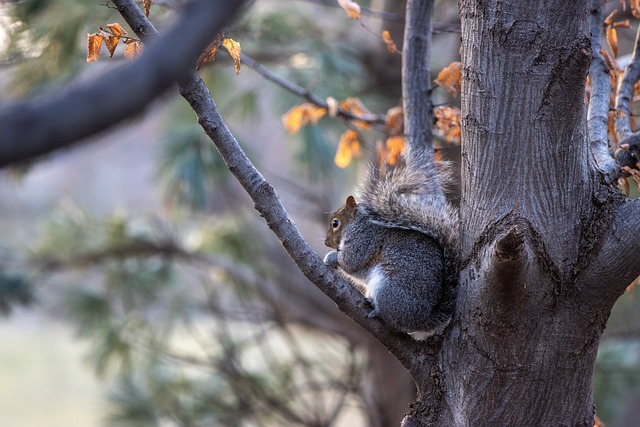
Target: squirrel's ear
[(351, 202)]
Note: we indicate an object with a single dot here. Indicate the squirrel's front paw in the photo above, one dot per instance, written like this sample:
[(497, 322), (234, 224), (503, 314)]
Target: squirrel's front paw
[(331, 259), (369, 305)]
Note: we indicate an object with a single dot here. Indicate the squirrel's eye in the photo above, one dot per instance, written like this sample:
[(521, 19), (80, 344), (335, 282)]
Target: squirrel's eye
[(335, 223)]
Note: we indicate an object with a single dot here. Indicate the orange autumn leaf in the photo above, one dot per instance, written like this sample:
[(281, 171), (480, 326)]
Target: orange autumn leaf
[(111, 42), (348, 147), (132, 50), (233, 47), (394, 147), (635, 8), (116, 29), (94, 43), (113, 37), (302, 115), (394, 122), (450, 78), (448, 122), (209, 54), (597, 422), (609, 19), (391, 46), (622, 24), (355, 107), (352, 8), (611, 126), (147, 7), (612, 40)]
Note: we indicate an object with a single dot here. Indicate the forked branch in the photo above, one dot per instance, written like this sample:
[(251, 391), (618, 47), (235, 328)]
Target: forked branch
[(268, 203)]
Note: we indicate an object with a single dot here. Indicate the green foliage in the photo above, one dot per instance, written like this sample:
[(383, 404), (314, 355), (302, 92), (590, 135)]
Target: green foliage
[(14, 290), (316, 153), (180, 331), (617, 372), (190, 167)]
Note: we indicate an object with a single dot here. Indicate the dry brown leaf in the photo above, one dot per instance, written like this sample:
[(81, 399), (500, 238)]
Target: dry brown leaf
[(348, 147), (612, 40), (132, 50), (94, 43), (609, 19), (302, 115), (113, 37), (622, 24), (611, 127), (111, 42), (209, 54), (394, 147), (147, 7), (450, 78), (352, 8), (394, 122), (448, 123), (596, 421), (355, 107), (391, 46), (635, 8), (233, 47), (611, 64), (116, 29)]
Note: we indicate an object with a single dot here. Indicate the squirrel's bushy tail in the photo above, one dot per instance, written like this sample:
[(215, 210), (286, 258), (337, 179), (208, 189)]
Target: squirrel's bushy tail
[(410, 195)]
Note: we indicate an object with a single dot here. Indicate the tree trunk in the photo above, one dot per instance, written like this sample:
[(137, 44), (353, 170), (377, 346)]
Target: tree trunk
[(534, 215)]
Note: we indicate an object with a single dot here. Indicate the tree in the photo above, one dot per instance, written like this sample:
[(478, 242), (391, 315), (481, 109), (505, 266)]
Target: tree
[(547, 238)]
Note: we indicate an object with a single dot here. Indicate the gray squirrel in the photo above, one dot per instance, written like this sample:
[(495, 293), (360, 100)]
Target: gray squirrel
[(399, 246)]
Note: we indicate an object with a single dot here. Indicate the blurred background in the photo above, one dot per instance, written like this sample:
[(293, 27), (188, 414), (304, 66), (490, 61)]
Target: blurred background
[(139, 287)]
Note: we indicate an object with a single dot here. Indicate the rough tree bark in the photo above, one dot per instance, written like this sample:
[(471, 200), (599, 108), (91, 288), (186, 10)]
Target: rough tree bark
[(539, 220), (546, 237)]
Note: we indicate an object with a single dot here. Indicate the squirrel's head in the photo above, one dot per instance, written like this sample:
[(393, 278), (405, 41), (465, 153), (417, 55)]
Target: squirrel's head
[(339, 220)]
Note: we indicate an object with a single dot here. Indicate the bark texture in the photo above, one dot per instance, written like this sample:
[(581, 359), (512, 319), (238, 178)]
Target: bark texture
[(535, 212)]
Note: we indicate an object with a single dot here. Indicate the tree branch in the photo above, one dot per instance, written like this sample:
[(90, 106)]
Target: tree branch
[(42, 125), (374, 119), (268, 203), (416, 86), (617, 263), (598, 114), (625, 93)]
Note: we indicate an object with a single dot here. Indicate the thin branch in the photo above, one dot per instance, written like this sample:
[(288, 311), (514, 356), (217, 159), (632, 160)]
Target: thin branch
[(625, 93), (598, 114), (42, 125), (416, 86), (617, 263), (268, 203), (374, 119)]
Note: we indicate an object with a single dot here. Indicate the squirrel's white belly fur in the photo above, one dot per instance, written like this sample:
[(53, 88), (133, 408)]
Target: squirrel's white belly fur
[(376, 279)]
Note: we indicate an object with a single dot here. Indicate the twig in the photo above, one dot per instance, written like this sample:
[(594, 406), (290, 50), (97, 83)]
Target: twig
[(598, 114), (625, 93), (268, 203), (374, 119)]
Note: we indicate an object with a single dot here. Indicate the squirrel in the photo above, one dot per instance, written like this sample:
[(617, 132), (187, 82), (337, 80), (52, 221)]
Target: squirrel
[(399, 247)]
